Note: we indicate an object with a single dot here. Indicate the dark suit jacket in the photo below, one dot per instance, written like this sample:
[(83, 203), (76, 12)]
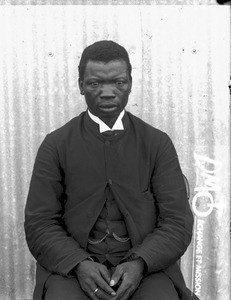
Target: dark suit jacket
[(72, 168)]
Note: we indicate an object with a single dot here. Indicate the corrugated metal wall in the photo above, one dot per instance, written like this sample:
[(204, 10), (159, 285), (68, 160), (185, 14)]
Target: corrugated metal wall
[(181, 68), (108, 2)]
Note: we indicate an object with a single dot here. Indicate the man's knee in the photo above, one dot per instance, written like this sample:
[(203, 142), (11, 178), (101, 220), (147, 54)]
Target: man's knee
[(157, 286), (59, 288)]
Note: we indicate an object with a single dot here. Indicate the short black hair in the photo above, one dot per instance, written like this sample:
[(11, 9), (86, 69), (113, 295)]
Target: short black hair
[(103, 51)]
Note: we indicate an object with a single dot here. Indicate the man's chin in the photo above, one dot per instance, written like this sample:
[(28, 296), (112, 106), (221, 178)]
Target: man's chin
[(109, 118), (108, 112)]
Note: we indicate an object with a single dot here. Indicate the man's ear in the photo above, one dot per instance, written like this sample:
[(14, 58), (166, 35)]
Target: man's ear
[(81, 87), (130, 85)]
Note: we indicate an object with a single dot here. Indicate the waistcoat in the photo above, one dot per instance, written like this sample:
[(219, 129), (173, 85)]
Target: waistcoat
[(108, 239)]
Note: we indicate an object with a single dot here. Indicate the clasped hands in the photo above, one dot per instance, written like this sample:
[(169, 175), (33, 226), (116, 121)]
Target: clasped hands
[(97, 282)]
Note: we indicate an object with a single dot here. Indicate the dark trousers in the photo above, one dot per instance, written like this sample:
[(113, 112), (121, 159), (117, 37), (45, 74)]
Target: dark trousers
[(156, 286)]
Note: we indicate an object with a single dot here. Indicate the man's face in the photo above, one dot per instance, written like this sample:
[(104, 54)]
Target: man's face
[(106, 87)]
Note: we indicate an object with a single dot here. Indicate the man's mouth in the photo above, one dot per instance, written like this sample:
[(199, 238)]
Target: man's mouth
[(108, 107)]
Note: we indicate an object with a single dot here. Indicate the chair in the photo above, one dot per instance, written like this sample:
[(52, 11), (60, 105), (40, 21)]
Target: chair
[(187, 187)]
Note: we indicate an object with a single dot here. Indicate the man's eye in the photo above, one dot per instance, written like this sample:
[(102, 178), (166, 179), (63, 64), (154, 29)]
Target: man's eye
[(94, 84), (120, 83)]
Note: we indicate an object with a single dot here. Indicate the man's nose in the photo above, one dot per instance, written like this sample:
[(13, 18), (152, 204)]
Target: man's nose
[(107, 91)]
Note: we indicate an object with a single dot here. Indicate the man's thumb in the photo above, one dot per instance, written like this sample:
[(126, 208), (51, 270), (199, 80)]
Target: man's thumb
[(115, 278)]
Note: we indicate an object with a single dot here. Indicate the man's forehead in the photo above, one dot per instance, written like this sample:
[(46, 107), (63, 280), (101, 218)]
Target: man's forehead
[(113, 66)]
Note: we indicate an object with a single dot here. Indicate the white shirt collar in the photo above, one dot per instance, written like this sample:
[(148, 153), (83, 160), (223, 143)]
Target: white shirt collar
[(103, 127)]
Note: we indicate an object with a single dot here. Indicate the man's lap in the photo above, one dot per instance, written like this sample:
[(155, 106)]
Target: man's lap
[(156, 286), (62, 288)]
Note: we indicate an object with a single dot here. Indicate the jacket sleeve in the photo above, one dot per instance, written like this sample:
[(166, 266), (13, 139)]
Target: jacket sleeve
[(173, 231), (46, 235)]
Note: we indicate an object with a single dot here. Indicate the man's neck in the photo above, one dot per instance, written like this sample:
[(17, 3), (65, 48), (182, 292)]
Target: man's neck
[(110, 121)]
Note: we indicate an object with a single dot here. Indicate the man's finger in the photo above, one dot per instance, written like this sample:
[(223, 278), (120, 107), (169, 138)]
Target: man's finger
[(92, 293), (102, 295), (123, 288), (102, 284), (93, 296), (105, 274), (126, 295), (116, 276)]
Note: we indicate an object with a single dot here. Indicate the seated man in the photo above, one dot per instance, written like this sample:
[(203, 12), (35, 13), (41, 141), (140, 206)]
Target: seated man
[(107, 215)]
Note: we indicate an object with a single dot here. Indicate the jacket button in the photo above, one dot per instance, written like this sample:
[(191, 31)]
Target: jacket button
[(110, 181)]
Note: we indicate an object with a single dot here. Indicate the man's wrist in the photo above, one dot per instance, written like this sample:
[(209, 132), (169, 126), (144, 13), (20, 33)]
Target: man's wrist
[(89, 258), (132, 257), (140, 260)]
